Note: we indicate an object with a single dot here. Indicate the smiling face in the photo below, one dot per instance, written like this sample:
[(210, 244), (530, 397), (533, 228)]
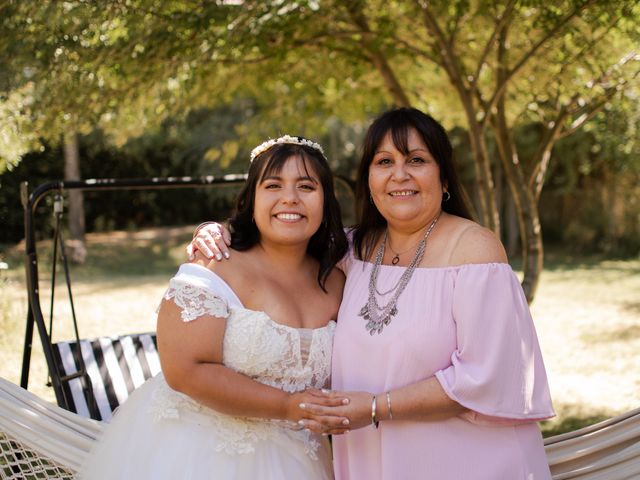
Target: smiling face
[(288, 206), (405, 187)]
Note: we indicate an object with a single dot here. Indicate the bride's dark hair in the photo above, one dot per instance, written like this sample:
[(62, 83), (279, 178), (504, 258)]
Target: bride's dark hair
[(329, 244)]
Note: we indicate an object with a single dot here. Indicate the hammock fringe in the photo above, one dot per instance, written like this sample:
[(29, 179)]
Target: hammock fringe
[(43, 441)]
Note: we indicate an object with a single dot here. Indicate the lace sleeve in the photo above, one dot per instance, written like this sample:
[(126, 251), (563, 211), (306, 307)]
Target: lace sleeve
[(195, 301)]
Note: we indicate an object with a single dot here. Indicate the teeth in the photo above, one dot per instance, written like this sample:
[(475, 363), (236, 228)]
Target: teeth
[(404, 193), (289, 216)]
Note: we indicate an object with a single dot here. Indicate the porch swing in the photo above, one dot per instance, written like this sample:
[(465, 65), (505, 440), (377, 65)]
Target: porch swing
[(95, 375), (91, 377)]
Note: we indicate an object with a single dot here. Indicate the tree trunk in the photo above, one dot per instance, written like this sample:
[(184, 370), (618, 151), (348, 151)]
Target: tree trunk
[(524, 198), (512, 231), (75, 245), (484, 179), (525, 205)]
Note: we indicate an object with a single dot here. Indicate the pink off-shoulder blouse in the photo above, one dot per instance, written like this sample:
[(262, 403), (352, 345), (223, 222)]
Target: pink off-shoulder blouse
[(470, 327)]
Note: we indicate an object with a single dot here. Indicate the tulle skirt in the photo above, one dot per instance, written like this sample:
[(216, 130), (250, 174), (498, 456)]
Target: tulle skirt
[(153, 436)]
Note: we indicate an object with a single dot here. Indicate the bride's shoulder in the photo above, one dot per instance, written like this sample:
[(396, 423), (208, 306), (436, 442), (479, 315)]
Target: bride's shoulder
[(239, 262)]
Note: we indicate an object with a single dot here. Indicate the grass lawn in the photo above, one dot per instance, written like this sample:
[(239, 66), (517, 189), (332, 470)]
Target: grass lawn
[(587, 314)]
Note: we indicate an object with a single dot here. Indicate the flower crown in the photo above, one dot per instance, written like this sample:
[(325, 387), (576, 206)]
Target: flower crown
[(263, 147)]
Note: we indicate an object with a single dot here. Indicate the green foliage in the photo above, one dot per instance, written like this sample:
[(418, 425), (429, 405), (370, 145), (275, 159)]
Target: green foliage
[(592, 200), (174, 149), (321, 69), (126, 66)]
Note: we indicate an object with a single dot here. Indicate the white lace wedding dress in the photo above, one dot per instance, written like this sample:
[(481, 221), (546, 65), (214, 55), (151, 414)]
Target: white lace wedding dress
[(162, 434)]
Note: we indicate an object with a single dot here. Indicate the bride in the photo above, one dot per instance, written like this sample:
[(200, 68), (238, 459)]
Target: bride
[(244, 344)]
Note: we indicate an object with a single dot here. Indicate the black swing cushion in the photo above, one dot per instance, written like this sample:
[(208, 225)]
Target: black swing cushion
[(115, 365)]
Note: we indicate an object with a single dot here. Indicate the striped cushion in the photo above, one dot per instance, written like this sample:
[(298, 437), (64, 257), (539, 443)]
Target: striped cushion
[(116, 366)]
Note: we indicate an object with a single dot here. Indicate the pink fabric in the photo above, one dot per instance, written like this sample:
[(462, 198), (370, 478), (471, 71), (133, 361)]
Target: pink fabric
[(469, 326)]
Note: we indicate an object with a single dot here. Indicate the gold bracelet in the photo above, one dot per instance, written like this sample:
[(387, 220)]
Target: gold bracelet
[(374, 419), (389, 405)]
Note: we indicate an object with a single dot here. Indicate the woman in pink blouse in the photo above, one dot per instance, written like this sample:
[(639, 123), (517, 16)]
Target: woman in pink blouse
[(435, 346)]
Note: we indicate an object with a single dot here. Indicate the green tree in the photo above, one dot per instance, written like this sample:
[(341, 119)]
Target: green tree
[(491, 66), (507, 63)]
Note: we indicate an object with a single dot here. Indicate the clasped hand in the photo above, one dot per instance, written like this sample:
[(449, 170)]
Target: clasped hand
[(332, 413)]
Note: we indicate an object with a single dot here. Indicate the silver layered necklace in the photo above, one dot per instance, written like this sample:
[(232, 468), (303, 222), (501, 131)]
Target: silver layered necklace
[(376, 316)]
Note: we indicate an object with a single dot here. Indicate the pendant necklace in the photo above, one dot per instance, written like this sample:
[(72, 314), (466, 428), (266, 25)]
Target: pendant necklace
[(396, 255), (378, 317)]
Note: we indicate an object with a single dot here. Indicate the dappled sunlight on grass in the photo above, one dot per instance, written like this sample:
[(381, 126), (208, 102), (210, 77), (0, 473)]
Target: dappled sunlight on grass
[(572, 417), (590, 338), (115, 292)]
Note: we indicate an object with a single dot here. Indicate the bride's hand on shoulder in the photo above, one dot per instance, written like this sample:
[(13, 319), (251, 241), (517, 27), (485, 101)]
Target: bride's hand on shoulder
[(212, 239)]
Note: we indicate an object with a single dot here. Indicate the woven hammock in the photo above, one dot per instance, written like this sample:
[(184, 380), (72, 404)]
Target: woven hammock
[(42, 441)]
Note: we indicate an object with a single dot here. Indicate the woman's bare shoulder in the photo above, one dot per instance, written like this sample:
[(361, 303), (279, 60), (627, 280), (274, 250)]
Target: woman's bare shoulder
[(476, 244)]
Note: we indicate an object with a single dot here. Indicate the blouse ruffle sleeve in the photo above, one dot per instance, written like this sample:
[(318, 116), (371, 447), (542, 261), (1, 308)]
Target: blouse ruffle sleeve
[(197, 291), (497, 370)]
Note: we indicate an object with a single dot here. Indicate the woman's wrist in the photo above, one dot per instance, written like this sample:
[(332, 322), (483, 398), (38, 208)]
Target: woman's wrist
[(291, 407), (383, 407)]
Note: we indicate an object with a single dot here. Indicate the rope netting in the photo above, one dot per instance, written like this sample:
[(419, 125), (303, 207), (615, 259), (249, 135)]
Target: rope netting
[(18, 462), (39, 440)]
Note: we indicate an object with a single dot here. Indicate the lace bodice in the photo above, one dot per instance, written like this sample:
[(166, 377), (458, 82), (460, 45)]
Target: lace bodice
[(277, 355)]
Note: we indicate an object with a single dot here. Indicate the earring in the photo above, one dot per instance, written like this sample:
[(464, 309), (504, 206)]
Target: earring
[(446, 196)]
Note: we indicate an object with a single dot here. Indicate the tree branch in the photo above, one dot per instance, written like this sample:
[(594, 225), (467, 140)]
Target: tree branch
[(588, 46), (528, 55), (411, 48), (446, 49), (376, 57), (499, 25)]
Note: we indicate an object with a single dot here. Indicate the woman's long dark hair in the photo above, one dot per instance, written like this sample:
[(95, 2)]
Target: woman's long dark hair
[(398, 122), (329, 244)]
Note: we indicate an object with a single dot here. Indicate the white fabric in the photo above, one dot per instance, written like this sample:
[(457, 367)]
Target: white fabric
[(61, 436), (607, 451), (160, 433)]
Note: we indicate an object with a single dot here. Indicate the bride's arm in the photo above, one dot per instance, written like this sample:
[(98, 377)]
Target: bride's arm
[(191, 359)]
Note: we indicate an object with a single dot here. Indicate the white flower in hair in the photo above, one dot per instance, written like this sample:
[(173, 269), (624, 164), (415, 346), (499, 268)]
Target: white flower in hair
[(263, 147)]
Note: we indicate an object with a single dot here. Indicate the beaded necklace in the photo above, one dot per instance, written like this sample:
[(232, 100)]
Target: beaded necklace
[(378, 317)]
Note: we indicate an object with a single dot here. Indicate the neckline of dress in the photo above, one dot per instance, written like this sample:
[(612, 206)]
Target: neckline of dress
[(446, 267), (239, 302)]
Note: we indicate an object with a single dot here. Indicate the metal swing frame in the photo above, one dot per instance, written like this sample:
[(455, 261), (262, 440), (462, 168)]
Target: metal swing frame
[(35, 315)]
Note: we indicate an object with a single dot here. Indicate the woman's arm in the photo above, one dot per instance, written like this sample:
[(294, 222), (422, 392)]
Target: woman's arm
[(213, 239), (421, 401), (191, 359)]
